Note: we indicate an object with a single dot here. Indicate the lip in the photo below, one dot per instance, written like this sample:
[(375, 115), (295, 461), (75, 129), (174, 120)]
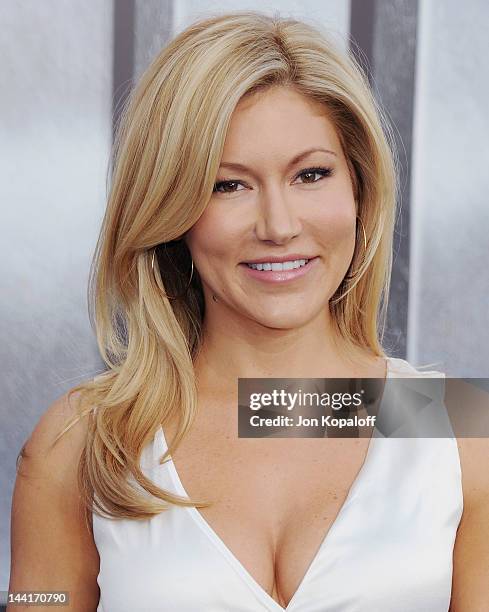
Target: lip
[(280, 276), (281, 259)]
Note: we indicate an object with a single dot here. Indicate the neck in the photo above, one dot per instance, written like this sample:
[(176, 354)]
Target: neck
[(232, 350)]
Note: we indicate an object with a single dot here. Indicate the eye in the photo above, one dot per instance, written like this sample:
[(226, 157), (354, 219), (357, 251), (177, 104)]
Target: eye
[(227, 185), (310, 172)]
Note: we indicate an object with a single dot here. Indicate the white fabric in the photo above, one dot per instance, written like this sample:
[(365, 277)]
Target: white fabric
[(389, 549)]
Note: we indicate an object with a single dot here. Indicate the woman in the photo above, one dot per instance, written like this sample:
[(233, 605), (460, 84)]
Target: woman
[(249, 139)]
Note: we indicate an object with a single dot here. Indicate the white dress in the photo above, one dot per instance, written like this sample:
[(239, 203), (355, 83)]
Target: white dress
[(389, 549)]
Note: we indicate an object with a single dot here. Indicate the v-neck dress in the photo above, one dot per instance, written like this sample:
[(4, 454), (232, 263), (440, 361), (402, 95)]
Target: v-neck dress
[(389, 549)]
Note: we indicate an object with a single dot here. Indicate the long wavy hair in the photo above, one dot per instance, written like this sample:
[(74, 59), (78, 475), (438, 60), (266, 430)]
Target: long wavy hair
[(166, 156)]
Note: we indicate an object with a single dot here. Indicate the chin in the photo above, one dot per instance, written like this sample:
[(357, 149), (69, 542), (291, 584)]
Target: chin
[(284, 320)]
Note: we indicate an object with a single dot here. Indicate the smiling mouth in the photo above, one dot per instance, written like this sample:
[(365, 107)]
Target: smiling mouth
[(279, 272), (278, 266)]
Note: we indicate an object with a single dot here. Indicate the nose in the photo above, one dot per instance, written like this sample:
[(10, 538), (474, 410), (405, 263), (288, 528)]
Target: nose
[(277, 220)]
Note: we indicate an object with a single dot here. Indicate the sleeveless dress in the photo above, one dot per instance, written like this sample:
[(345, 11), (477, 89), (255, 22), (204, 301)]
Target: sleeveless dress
[(389, 549)]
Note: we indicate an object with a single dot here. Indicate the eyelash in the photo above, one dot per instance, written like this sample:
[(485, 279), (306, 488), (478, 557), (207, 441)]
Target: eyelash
[(323, 171)]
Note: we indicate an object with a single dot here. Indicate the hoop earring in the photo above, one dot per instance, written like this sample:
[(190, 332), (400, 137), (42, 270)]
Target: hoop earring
[(350, 276), (175, 297)]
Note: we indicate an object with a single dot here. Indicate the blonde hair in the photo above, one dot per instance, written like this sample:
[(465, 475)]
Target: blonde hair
[(167, 152)]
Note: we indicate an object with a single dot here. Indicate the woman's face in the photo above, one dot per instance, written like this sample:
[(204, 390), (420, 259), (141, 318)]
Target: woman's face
[(268, 203)]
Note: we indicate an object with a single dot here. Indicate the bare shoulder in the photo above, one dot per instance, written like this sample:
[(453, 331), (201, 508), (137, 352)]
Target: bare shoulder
[(51, 542), (471, 552), (46, 457), (468, 407), (41, 445)]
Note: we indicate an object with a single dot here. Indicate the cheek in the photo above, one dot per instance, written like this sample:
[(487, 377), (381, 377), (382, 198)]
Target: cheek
[(336, 223), (212, 238)]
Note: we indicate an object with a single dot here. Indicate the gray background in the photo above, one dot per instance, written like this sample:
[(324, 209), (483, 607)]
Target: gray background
[(65, 67)]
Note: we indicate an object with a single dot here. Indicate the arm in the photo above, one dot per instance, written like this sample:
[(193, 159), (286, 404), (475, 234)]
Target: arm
[(471, 553), (52, 548)]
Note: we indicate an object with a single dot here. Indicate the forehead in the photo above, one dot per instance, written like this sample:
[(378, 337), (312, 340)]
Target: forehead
[(279, 118)]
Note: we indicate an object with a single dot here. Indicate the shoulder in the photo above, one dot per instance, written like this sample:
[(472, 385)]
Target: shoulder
[(468, 406), (51, 454), (462, 401), (43, 448)]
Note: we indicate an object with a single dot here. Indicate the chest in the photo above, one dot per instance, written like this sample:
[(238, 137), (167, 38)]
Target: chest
[(273, 501), (389, 548)]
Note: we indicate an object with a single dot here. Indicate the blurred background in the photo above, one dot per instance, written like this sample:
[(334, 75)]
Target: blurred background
[(65, 68)]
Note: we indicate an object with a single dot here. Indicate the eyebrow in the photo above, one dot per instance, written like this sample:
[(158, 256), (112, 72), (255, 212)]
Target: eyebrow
[(295, 160)]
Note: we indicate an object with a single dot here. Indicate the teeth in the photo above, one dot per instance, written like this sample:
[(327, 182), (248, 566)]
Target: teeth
[(286, 265)]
